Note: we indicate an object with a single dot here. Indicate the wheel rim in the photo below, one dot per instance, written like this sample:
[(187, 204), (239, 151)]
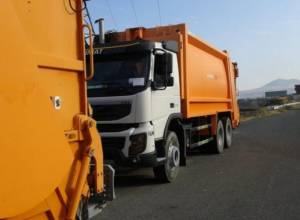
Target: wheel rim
[(173, 158)]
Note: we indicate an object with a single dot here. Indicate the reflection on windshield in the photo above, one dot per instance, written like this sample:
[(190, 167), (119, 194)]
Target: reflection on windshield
[(122, 70)]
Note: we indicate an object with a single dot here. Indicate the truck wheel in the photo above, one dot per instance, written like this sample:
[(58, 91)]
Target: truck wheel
[(82, 210), (228, 132), (219, 139), (168, 172)]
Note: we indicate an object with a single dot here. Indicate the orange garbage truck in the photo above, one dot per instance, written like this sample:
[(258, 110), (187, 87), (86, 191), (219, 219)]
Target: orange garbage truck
[(51, 162), (160, 92)]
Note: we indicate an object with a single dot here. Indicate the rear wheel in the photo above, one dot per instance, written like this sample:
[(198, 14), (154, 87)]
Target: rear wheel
[(168, 172), (228, 132), (219, 139)]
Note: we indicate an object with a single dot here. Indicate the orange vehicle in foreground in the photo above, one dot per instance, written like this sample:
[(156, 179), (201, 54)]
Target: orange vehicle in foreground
[(158, 92), (51, 160)]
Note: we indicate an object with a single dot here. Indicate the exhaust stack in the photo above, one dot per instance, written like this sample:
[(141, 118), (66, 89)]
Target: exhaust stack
[(101, 38)]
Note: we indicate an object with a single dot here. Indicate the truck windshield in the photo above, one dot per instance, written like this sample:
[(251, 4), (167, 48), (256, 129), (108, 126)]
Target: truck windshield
[(120, 74)]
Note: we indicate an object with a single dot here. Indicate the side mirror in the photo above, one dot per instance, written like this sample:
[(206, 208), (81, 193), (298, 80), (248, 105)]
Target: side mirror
[(170, 81)]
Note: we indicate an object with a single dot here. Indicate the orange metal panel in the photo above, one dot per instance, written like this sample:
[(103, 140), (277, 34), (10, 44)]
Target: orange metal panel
[(42, 55), (206, 78)]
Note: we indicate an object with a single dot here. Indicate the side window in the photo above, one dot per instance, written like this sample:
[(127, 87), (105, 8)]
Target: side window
[(159, 74)]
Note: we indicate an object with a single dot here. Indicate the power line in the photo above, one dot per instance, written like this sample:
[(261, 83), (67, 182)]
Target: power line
[(158, 6), (87, 14), (134, 11), (111, 14)]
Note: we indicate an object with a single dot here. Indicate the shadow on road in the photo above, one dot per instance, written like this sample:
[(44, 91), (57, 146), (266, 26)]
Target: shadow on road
[(201, 151), (135, 180), (145, 177)]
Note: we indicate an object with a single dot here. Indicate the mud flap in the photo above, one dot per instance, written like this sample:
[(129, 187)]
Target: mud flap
[(97, 203), (109, 181)]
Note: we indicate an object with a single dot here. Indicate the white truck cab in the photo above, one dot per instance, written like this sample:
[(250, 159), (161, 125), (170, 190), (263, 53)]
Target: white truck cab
[(135, 94)]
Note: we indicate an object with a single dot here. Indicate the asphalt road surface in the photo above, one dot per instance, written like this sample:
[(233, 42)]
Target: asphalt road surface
[(258, 178)]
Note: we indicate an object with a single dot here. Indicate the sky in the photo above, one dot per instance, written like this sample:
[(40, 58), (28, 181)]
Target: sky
[(263, 36)]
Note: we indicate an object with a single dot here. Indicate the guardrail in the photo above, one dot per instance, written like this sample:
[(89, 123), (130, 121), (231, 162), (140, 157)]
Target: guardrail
[(276, 107)]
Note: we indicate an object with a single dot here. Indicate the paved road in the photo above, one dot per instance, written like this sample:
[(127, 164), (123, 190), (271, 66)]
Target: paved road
[(258, 178)]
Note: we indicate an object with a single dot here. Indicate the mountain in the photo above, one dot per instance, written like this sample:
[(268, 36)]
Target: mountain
[(275, 85)]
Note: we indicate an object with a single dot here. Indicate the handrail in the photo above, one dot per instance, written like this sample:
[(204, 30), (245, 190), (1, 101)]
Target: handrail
[(91, 48)]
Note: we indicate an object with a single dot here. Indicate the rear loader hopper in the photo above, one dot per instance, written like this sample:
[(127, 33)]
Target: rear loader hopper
[(51, 159)]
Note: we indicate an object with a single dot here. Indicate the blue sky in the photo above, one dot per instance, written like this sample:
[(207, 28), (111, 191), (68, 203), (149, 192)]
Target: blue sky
[(263, 36)]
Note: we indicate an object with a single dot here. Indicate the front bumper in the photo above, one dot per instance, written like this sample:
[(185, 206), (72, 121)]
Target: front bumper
[(116, 158), (116, 147)]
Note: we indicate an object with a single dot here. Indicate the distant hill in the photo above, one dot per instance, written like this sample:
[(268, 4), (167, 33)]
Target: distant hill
[(275, 85)]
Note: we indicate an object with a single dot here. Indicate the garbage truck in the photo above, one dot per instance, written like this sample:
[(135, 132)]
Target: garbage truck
[(159, 93), (51, 158)]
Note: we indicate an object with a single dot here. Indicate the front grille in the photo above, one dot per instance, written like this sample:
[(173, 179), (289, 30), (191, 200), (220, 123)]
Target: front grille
[(115, 127), (111, 112), (113, 142)]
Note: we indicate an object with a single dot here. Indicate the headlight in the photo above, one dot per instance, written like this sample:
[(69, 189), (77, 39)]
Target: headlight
[(138, 144)]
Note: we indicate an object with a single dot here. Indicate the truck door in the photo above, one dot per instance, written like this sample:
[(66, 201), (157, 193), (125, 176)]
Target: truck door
[(165, 90)]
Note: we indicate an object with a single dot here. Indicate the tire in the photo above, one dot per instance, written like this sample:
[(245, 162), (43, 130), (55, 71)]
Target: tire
[(82, 210), (168, 172), (228, 132), (219, 140)]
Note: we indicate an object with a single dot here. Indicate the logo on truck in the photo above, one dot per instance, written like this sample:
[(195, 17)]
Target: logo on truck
[(96, 51)]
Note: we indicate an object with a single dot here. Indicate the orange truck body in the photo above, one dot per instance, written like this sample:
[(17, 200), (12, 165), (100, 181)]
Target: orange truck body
[(47, 139), (207, 75)]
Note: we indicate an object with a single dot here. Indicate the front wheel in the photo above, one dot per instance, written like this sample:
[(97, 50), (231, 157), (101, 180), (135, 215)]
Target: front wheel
[(169, 170)]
